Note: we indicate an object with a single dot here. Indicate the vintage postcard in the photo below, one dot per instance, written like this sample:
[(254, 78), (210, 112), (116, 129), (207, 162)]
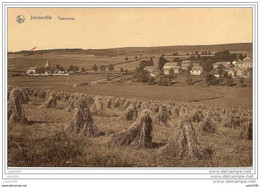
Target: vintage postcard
[(160, 88), (130, 87)]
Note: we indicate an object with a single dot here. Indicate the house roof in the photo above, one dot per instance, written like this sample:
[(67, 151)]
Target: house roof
[(197, 68), (170, 64), (247, 59), (32, 68), (186, 62), (225, 63), (150, 68)]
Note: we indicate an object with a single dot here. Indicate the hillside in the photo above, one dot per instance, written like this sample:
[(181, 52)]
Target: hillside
[(235, 47)]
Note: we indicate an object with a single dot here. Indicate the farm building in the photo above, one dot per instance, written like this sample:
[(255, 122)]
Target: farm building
[(31, 70), (245, 64), (171, 66), (231, 72), (236, 61), (196, 63), (196, 70), (185, 64), (152, 70), (215, 73), (225, 64)]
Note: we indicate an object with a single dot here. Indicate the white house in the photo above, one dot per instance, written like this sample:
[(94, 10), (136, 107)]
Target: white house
[(185, 64), (236, 61), (225, 64), (151, 70), (171, 66), (31, 70), (196, 70)]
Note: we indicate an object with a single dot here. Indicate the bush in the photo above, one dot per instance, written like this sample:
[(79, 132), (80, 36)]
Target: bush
[(211, 80)]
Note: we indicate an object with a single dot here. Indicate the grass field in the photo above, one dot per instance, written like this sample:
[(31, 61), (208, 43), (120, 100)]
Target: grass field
[(179, 92), (21, 62), (45, 143)]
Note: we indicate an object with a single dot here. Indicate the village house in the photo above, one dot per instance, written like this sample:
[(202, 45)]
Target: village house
[(185, 64), (236, 61), (196, 63), (245, 64), (152, 70), (196, 70), (216, 74), (31, 70), (231, 72), (171, 66), (225, 64)]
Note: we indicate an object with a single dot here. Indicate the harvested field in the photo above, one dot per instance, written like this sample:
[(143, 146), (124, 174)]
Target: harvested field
[(47, 132)]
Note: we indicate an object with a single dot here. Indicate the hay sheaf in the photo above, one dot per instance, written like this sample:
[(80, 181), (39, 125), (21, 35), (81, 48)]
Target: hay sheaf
[(164, 116), (247, 132), (185, 143), (198, 116), (232, 122), (209, 125), (83, 123), (51, 102), (138, 134), (98, 108), (131, 113), (15, 109)]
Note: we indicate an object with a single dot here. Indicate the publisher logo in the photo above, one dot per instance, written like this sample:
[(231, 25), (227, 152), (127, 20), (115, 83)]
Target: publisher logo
[(20, 19)]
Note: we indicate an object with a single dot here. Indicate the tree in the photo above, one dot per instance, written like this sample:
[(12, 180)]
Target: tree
[(187, 53), (141, 75), (126, 59), (240, 56), (40, 70), (136, 57), (70, 68), (196, 53), (162, 62), (102, 68), (83, 70), (189, 80), (241, 81), (221, 69), (95, 68), (211, 80), (229, 80), (110, 67), (151, 62), (207, 65), (121, 70), (76, 68)]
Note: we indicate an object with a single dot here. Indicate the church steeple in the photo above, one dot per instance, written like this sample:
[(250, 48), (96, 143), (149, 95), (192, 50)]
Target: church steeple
[(47, 64)]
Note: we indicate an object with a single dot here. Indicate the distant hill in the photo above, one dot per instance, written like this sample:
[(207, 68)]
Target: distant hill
[(234, 47)]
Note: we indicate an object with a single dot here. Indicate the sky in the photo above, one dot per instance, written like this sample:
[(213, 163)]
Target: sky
[(96, 28)]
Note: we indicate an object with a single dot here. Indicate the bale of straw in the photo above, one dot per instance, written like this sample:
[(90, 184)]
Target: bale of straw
[(184, 144), (83, 125), (131, 113), (138, 134), (247, 132), (15, 109)]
